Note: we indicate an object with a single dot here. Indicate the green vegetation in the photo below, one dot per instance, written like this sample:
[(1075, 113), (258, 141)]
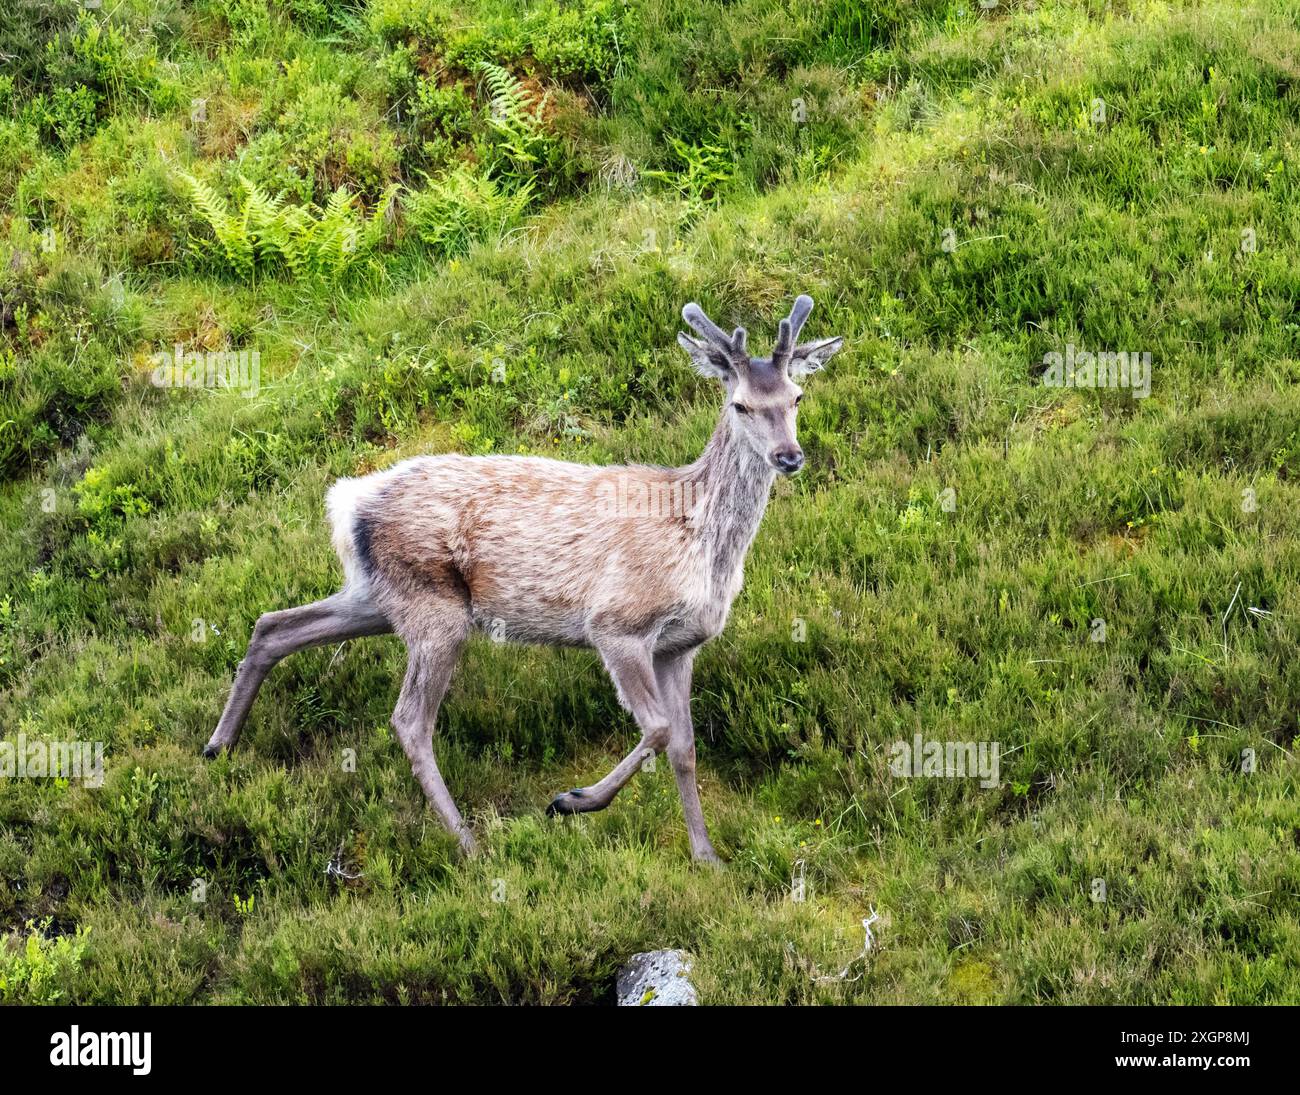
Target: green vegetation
[(300, 240), (469, 225), (34, 974)]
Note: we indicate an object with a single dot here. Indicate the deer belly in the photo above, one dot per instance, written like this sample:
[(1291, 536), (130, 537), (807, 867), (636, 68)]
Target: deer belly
[(545, 623)]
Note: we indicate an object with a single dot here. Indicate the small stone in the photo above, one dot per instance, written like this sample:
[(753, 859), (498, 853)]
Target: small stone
[(656, 979)]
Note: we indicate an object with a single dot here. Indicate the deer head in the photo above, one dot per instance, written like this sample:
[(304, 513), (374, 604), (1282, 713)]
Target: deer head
[(762, 396)]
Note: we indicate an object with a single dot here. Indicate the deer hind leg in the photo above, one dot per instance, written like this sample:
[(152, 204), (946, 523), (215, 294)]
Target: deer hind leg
[(279, 634), (632, 670), (673, 672), (433, 646)]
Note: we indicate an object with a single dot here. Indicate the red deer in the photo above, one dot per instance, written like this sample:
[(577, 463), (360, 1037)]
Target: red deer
[(640, 563)]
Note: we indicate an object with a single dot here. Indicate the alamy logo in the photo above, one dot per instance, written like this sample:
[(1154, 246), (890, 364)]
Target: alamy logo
[(951, 759), (117, 1050), (239, 370), (632, 497), (1103, 369), (24, 759)]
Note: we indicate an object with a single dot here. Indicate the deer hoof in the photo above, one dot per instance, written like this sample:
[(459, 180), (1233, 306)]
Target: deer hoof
[(210, 751), (562, 803)]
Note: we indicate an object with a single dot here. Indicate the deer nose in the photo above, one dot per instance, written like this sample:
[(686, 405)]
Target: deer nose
[(788, 461)]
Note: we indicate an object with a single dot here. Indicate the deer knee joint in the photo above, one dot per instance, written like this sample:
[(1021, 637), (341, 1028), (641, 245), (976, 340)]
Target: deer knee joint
[(657, 737), (263, 629)]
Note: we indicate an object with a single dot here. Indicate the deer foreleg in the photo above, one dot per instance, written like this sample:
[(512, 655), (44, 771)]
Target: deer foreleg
[(631, 668)]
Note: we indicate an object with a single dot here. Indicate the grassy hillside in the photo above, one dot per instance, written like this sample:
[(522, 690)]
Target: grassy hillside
[(469, 225)]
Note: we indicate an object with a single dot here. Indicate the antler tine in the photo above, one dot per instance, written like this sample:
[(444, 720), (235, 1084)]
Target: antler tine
[(783, 348), (803, 304), (695, 318), (739, 337), (788, 330)]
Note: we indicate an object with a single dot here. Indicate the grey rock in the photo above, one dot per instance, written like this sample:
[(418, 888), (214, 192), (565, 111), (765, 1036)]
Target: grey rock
[(656, 979)]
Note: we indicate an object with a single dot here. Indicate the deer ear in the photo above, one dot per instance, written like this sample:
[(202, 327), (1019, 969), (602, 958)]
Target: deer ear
[(808, 357), (708, 360)]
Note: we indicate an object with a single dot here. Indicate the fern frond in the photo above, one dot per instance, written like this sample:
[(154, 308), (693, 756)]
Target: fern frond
[(509, 114), (351, 23), (335, 243), (231, 236), (304, 241), (375, 226), (298, 226), (262, 222)]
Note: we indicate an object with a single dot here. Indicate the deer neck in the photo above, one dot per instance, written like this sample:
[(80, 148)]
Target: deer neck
[(735, 483)]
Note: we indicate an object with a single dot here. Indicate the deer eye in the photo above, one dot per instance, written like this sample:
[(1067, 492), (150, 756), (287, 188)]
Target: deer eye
[(798, 399), (740, 409)]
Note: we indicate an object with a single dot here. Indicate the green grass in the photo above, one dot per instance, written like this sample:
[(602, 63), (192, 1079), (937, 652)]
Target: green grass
[(522, 297)]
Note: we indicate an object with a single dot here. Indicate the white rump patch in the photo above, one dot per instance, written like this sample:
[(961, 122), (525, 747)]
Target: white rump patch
[(341, 503)]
